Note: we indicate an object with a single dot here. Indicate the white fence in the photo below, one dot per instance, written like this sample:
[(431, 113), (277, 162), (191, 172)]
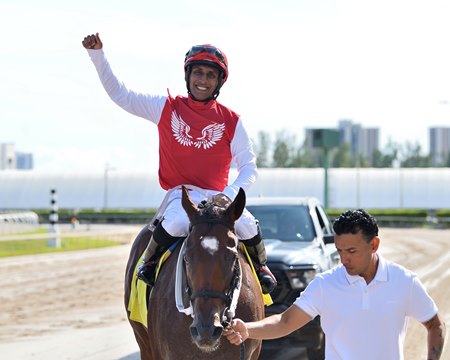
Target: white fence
[(424, 188), (18, 221)]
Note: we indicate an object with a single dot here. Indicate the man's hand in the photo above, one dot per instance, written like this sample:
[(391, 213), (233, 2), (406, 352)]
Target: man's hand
[(237, 332), (92, 42)]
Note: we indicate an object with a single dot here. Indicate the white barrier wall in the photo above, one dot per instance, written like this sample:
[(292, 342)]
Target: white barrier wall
[(427, 188), (18, 221)]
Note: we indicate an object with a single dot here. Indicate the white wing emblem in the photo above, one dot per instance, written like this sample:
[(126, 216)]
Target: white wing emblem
[(181, 130), (210, 135)]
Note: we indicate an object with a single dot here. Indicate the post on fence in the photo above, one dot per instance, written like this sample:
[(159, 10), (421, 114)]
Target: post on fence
[(54, 239), (325, 139)]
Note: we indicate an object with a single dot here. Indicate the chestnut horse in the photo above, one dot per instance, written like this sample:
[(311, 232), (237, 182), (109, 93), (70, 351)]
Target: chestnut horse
[(218, 284)]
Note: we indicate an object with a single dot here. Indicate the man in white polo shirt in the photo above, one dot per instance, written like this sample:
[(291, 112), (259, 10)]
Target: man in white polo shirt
[(364, 303)]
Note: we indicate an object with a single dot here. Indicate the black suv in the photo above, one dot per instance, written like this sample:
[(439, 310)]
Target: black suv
[(299, 242)]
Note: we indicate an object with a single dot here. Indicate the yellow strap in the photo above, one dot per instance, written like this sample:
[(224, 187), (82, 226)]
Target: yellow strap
[(266, 297)]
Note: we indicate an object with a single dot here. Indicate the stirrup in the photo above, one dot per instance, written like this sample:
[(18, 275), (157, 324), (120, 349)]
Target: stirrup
[(267, 280), (146, 272)]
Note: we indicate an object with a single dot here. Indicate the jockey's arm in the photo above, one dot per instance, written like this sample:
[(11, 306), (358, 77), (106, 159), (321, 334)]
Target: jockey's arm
[(245, 159)]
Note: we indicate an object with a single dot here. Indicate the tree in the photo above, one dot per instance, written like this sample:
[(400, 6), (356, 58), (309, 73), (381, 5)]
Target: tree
[(388, 157), (447, 162), (283, 150), (361, 161), (303, 157), (262, 148), (343, 157), (412, 156)]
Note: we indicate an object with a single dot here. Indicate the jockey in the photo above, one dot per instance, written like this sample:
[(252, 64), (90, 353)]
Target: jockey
[(198, 140)]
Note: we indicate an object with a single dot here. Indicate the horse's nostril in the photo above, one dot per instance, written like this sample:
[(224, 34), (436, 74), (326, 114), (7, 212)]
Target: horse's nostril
[(217, 332), (194, 332)]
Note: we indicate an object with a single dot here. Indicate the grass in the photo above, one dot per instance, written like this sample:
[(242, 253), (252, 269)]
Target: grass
[(40, 246), (39, 230)]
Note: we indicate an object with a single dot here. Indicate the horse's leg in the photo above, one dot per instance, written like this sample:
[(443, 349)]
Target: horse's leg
[(140, 333)]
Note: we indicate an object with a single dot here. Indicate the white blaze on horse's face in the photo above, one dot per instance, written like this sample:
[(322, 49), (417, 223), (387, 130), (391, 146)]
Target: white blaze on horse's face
[(210, 244)]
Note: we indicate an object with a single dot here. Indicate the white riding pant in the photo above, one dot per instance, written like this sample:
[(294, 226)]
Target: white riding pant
[(176, 222)]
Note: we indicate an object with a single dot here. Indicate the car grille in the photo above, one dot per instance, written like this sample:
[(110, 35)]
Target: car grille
[(283, 287)]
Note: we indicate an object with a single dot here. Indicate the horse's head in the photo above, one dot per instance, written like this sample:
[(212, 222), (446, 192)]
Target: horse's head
[(211, 261)]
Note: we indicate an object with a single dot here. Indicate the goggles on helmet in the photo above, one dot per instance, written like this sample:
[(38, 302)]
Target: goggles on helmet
[(195, 50)]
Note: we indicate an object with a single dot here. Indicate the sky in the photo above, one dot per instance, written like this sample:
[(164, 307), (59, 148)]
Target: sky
[(294, 64)]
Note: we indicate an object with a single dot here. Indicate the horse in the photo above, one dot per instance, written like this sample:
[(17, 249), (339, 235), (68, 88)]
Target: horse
[(219, 283)]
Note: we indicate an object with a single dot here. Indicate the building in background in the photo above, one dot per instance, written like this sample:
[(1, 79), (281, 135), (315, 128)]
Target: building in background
[(11, 160), (24, 161), (7, 157), (362, 141), (439, 138)]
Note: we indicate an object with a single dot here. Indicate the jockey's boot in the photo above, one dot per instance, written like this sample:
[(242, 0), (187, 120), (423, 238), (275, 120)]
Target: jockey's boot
[(160, 241), (255, 247), (147, 269)]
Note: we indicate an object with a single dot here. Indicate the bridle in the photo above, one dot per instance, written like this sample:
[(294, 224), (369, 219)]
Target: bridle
[(226, 296), (230, 296)]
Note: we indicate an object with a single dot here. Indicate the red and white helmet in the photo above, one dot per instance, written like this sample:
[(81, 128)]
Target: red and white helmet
[(206, 55)]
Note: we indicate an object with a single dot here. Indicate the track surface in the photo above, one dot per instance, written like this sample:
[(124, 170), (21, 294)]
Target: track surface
[(69, 305)]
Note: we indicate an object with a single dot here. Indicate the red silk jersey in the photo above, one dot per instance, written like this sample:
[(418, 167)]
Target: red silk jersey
[(194, 143)]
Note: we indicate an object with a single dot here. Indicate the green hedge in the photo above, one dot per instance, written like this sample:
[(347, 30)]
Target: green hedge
[(385, 217), (100, 216)]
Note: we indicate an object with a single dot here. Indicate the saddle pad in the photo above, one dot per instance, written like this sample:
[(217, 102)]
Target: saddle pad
[(266, 297), (137, 305)]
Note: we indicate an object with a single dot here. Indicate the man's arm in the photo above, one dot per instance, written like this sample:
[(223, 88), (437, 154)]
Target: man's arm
[(436, 336), (272, 327)]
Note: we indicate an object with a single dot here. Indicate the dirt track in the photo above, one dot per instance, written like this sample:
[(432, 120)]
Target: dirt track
[(56, 294)]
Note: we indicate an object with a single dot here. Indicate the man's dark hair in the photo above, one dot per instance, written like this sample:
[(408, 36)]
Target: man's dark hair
[(352, 221)]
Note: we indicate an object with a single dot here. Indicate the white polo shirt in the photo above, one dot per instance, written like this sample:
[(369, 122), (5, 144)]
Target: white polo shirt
[(363, 321)]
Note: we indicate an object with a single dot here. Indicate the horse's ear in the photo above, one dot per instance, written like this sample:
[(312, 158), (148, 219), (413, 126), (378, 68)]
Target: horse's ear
[(188, 206), (234, 211)]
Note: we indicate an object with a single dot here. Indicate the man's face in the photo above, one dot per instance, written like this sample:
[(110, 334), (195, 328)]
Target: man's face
[(203, 81), (356, 253)]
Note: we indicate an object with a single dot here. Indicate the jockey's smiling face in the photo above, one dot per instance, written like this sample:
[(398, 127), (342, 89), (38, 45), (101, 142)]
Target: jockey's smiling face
[(203, 81)]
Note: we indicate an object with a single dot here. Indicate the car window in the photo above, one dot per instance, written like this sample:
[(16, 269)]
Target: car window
[(284, 222)]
